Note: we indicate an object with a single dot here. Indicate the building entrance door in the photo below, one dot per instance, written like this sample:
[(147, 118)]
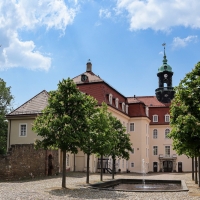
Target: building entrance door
[(179, 166), (155, 166), (167, 166)]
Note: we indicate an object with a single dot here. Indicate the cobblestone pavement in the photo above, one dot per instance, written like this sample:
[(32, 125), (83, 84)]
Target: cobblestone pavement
[(50, 188)]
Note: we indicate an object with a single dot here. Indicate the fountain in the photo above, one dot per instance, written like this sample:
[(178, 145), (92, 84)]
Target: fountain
[(143, 171), (143, 185)]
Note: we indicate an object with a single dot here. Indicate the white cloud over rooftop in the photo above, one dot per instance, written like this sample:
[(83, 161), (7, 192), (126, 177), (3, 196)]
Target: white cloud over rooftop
[(182, 42), (23, 15), (160, 15)]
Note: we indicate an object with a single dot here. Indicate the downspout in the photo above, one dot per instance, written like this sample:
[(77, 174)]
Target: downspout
[(9, 136)]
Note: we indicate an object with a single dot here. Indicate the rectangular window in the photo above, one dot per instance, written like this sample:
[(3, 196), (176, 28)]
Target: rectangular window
[(132, 151), (155, 134), (167, 151), (155, 118), (22, 130), (131, 126), (132, 164), (167, 118), (155, 150)]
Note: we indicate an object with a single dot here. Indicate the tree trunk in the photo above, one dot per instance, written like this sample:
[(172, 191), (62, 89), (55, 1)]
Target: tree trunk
[(196, 181), (64, 170), (193, 168), (113, 169), (74, 162), (199, 170), (101, 177), (88, 168)]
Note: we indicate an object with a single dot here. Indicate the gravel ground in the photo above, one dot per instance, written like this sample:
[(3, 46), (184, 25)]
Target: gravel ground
[(50, 188)]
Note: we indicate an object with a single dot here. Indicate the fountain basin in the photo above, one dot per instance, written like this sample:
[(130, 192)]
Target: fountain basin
[(136, 185)]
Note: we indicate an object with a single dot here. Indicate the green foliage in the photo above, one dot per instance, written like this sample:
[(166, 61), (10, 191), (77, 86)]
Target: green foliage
[(185, 114), (103, 141), (121, 140), (5, 106), (64, 120)]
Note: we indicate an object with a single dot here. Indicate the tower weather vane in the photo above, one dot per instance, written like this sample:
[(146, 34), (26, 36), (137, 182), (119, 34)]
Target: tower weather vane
[(164, 44)]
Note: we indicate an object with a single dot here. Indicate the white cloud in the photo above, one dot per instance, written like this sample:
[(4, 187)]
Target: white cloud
[(182, 42), (104, 13), (160, 15), (23, 15)]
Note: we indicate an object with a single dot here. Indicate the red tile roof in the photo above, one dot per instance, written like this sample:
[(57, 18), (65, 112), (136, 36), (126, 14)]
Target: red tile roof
[(151, 101)]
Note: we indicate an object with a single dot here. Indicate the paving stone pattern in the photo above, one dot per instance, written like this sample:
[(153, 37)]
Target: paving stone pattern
[(50, 188)]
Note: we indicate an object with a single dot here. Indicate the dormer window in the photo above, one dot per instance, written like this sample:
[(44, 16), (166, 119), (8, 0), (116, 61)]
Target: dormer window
[(147, 111), (110, 99), (123, 107), (167, 118), (117, 102), (155, 118), (126, 109)]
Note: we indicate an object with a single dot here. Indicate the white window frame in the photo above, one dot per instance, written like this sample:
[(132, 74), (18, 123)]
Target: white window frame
[(110, 99), (126, 109), (67, 160), (155, 133), (132, 126), (147, 111), (132, 164), (117, 102), (20, 126), (167, 151), (167, 118), (167, 131), (155, 118), (123, 107), (133, 151), (155, 150)]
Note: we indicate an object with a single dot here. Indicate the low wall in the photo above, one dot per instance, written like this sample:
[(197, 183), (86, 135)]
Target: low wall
[(23, 161)]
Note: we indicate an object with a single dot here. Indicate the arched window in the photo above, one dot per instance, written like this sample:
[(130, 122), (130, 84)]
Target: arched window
[(117, 102), (155, 134), (110, 99), (167, 131)]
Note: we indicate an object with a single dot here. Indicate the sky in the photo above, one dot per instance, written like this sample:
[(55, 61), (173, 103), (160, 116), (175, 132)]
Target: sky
[(45, 41)]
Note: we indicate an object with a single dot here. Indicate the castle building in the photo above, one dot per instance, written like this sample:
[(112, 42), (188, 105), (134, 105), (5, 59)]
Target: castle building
[(146, 119)]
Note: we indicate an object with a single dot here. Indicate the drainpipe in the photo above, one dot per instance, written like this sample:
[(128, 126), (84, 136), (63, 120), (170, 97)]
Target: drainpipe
[(9, 136)]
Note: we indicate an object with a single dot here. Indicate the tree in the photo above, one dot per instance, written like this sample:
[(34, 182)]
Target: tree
[(121, 142), (5, 107), (64, 121), (185, 115), (87, 144), (103, 135)]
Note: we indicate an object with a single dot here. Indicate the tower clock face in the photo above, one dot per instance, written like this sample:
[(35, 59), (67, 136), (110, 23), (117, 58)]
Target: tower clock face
[(165, 75), (84, 77)]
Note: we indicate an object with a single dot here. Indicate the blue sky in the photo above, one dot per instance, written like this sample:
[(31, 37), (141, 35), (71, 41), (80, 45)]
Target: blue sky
[(44, 41)]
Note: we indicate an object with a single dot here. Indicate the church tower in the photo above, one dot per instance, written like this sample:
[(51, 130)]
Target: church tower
[(165, 92)]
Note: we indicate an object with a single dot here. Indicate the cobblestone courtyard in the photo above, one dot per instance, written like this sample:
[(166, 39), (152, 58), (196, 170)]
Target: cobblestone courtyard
[(50, 188)]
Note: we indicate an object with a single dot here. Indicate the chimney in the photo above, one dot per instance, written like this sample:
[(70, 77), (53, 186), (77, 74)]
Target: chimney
[(89, 66)]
